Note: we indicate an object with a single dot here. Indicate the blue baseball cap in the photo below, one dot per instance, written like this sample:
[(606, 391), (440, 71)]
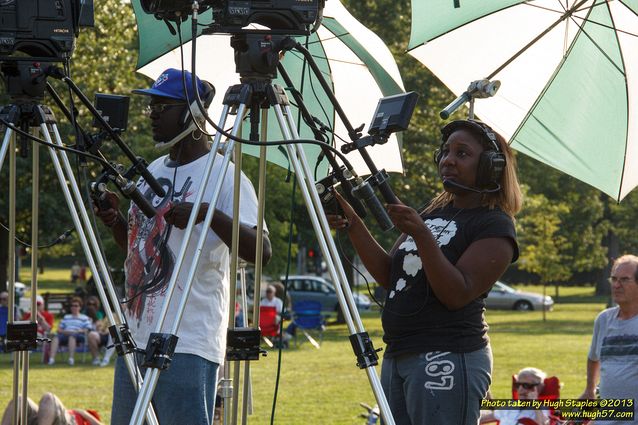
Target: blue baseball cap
[(170, 84)]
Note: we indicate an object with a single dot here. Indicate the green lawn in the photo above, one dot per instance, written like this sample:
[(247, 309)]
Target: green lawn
[(53, 279), (325, 386)]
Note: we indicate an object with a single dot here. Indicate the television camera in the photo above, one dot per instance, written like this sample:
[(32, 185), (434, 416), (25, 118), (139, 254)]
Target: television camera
[(232, 16), (42, 28)]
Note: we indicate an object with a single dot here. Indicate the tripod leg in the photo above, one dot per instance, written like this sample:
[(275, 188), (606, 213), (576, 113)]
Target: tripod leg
[(83, 227), (11, 139), (236, 266), (261, 196), (322, 230), (152, 374), (6, 142), (35, 209)]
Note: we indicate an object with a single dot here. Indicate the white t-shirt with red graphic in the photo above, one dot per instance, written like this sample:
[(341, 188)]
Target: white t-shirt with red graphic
[(153, 248)]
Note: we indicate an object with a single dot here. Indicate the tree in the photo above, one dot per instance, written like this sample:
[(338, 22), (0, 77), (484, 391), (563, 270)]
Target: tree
[(542, 248), (102, 61)]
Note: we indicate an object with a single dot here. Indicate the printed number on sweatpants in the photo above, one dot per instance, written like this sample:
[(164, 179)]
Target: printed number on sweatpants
[(440, 370)]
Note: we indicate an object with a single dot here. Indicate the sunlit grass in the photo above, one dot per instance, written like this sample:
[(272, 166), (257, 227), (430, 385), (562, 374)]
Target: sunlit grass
[(52, 280), (325, 387)]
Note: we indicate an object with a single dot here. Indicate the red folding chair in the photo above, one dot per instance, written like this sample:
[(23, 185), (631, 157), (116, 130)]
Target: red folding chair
[(268, 323), (551, 391)]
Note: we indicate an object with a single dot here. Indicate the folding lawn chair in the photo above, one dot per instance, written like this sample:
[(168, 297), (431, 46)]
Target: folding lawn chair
[(306, 315)]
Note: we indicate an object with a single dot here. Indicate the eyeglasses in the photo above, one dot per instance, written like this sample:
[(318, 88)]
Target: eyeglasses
[(75, 305), (158, 108), (91, 304), (621, 280), (527, 385), (4, 298)]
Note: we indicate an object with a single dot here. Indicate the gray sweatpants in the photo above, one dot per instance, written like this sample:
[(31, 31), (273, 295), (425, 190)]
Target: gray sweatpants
[(437, 388)]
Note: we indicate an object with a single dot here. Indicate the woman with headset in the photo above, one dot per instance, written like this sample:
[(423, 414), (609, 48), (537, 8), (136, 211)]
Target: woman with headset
[(437, 362)]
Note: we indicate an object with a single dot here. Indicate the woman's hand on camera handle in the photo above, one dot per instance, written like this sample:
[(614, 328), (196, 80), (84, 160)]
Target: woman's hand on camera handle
[(349, 217), (406, 219)]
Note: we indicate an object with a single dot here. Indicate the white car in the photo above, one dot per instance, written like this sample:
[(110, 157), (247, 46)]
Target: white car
[(505, 297)]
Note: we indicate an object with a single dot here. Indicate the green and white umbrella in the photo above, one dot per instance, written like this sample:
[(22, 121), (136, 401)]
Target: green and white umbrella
[(355, 61), (569, 74)]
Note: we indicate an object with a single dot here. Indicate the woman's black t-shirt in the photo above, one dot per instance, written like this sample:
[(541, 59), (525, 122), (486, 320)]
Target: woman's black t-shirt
[(414, 320)]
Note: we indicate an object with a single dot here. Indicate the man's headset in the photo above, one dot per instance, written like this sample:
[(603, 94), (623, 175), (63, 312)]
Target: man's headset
[(192, 117), (491, 162), (207, 98)]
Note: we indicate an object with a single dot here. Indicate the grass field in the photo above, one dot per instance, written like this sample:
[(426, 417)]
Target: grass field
[(325, 387)]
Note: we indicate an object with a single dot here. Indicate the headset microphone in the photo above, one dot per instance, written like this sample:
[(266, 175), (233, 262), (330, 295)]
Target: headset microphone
[(452, 183)]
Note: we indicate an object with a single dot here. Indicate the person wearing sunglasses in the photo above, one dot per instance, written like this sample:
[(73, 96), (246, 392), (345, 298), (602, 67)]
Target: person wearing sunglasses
[(528, 385), (72, 330), (185, 392), (612, 362)]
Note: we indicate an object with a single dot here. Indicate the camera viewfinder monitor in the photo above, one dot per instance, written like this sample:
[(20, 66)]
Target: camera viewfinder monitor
[(393, 113)]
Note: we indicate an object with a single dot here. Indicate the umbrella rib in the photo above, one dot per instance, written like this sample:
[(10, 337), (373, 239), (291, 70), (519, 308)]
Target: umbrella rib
[(332, 60), (449, 30), (600, 49), (563, 17), (335, 36), (602, 3), (627, 6), (529, 113), (605, 26)]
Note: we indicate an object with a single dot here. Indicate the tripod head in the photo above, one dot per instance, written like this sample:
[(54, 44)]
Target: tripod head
[(256, 56), (24, 80)]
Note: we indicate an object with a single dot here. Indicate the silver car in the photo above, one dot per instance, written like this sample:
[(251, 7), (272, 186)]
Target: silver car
[(505, 297), (319, 289)]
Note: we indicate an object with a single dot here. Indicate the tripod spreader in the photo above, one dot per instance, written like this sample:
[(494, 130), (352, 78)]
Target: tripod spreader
[(159, 350), (243, 344), (21, 336), (122, 340), (364, 350)]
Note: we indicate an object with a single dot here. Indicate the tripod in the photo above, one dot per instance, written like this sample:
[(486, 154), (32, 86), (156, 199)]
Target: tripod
[(21, 337), (257, 93)]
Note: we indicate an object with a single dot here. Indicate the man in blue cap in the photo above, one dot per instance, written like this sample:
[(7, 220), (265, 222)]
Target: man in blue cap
[(185, 393)]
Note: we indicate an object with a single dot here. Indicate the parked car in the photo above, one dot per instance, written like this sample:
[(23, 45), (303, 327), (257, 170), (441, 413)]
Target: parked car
[(505, 297), (301, 288)]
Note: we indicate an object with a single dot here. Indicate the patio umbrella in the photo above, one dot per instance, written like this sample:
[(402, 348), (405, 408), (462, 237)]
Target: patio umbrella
[(355, 61), (569, 74)]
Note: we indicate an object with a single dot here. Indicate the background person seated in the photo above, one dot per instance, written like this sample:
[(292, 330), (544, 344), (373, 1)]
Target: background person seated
[(100, 336), (93, 308), (529, 384), (44, 318), (271, 300), (72, 330), (51, 411)]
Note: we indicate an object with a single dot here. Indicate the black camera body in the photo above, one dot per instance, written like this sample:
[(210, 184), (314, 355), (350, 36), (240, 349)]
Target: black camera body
[(292, 17), (42, 28)]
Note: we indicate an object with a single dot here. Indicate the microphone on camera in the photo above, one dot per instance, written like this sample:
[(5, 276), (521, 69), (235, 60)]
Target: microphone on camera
[(130, 190), (451, 183), (365, 192)]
